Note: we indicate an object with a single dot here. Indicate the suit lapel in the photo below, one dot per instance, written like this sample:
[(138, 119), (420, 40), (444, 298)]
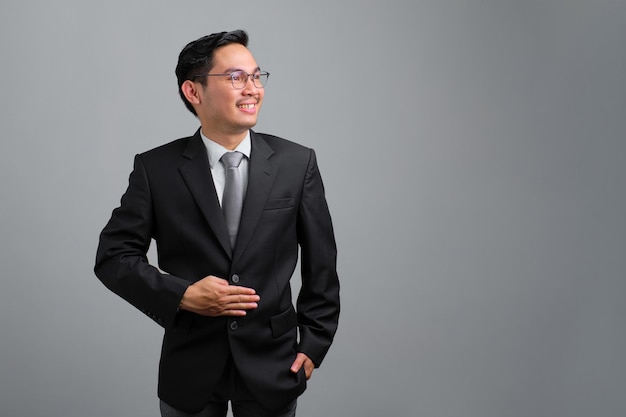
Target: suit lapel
[(196, 173), (260, 179)]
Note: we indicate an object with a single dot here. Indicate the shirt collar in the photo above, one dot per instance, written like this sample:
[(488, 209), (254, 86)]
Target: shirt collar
[(215, 150)]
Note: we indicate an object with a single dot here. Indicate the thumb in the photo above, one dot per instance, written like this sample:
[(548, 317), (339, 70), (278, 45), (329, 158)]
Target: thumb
[(297, 364)]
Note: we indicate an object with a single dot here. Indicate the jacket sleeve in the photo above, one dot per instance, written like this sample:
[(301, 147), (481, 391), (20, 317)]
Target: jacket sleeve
[(318, 300), (121, 260)]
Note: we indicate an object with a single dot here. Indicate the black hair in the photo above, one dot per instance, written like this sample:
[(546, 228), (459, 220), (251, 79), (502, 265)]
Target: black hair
[(197, 57)]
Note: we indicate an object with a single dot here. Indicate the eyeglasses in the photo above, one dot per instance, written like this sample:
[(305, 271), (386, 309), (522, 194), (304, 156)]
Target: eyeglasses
[(239, 79)]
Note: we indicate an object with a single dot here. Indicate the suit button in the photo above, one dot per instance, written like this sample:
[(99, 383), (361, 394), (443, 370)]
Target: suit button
[(233, 325), (235, 278)]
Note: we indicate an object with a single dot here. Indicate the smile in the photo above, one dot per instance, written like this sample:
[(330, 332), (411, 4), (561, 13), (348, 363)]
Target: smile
[(247, 106)]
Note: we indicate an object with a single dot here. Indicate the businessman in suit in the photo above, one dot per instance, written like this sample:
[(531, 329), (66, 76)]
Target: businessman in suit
[(222, 292)]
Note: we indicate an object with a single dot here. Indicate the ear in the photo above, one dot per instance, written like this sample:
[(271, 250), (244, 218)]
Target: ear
[(191, 92)]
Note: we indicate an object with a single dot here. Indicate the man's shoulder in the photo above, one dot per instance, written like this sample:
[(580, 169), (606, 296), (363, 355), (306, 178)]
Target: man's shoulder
[(175, 151), (279, 144), (175, 147), (171, 155)]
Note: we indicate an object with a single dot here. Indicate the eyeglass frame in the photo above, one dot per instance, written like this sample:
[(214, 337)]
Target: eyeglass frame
[(241, 72)]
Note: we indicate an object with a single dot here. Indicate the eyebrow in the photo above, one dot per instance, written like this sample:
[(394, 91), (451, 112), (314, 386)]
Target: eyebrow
[(229, 70)]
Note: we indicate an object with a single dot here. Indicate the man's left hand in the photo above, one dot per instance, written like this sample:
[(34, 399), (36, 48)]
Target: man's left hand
[(303, 360)]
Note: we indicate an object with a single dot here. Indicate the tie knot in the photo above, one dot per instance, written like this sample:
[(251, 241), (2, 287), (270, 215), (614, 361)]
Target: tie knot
[(232, 159)]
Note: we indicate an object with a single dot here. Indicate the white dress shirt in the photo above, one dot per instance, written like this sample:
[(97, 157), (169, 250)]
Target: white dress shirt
[(215, 152)]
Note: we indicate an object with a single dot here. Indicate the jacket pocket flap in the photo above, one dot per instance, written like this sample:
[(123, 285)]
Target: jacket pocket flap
[(283, 322), (279, 203)]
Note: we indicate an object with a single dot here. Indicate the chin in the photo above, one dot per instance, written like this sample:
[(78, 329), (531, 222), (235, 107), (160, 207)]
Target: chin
[(248, 123)]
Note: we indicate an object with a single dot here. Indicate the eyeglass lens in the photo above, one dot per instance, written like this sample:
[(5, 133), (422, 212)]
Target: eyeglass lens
[(240, 78)]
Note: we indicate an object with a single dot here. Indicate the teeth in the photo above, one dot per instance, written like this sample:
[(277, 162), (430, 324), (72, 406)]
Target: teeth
[(246, 106)]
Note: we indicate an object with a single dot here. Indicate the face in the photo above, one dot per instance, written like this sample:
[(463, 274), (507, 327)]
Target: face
[(223, 110)]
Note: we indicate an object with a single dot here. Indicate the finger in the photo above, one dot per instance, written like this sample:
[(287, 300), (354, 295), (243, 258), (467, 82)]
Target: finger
[(240, 299), (233, 313), (234, 289), (308, 368), (233, 310), (241, 306), (297, 364)]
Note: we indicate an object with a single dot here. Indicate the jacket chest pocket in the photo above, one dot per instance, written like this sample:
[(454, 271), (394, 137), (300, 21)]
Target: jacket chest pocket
[(279, 204)]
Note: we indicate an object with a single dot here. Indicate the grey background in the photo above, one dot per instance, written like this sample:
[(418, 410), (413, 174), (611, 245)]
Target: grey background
[(474, 155)]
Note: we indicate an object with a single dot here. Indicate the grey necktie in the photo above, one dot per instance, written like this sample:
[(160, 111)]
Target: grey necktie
[(232, 199)]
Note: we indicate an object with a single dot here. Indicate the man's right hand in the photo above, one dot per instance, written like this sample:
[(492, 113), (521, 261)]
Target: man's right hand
[(213, 296)]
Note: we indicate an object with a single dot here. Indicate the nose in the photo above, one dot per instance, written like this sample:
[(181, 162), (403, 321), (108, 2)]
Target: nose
[(250, 88)]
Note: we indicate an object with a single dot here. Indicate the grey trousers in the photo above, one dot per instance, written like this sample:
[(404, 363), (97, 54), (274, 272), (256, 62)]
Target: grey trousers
[(247, 408)]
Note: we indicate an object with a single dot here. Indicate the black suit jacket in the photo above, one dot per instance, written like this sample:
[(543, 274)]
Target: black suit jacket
[(171, 198)]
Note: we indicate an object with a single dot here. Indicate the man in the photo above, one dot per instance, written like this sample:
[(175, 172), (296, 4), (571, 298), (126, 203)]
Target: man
[(222, 288)]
